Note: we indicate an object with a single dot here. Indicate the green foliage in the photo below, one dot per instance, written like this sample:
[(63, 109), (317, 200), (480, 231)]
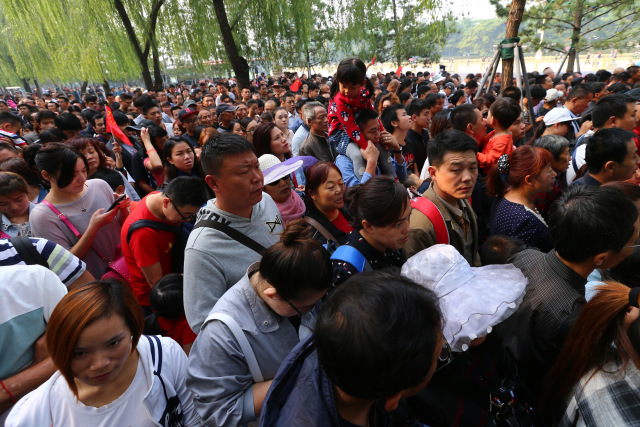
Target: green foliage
[(475, 38), (600, 24), (393, 30), (71, 40)]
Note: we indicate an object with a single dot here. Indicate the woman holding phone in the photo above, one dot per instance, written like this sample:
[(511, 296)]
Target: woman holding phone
[(75, 214)]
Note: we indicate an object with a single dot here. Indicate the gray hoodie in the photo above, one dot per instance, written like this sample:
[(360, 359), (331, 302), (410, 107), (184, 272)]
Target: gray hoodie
[(213, 261)]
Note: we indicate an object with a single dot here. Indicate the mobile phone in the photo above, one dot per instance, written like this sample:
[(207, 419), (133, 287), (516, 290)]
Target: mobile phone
[(114, 204)]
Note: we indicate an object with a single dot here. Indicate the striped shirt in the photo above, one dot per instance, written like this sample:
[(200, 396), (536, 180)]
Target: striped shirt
[(62, 262)]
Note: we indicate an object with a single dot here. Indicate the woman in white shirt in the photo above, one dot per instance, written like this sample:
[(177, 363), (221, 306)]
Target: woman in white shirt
[(107, 375)]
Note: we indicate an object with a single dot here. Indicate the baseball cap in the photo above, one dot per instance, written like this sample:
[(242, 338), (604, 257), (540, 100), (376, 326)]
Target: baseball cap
[(190, 103), (437, 78), (186, 112), (223, 107), (558, 115), (552, 95)]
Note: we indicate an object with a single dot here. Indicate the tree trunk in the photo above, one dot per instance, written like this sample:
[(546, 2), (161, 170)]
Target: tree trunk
[(106, 87), (25, 84), (396, 35), (35, 81), (133, 39), (157, 71), (513, 25), (83, 88), (575, 34), (238, 63)]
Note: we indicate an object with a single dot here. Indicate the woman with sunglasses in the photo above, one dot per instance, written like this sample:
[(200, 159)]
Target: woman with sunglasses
[(277, 184), (265, 314)]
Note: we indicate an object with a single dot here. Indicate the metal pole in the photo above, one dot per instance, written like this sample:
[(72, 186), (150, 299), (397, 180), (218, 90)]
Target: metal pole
[(484, 78), (566, 55), (494, 70), (516, 62), (527, 89)]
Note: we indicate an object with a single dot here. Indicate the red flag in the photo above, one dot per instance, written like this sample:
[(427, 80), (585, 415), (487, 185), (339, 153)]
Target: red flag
[(113, 127), (399, 71), (295, 86), (373, 61)]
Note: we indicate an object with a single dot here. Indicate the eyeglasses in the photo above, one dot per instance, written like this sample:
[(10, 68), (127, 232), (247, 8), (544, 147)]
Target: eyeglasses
[(278, 181), (184, 218), (445, 357), (632, 246), (296, 309)]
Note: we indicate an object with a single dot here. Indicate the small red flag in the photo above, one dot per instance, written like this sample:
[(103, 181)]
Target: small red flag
[(373, 61), (399, 71), (113, 128), (295, 86)]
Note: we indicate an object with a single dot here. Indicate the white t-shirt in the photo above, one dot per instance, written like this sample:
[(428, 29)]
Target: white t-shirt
[(126, 410)]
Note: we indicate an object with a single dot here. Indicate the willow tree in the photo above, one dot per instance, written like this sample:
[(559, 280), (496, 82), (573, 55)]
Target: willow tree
[(76, 39), (393, 30)]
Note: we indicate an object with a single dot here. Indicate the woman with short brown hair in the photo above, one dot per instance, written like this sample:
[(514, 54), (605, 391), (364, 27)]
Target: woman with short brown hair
[(106, 374)]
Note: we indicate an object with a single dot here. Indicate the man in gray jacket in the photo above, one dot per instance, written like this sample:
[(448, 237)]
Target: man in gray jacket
[(214, 261)]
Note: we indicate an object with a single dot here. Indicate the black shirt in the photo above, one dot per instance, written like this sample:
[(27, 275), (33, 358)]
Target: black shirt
[(415, 150)]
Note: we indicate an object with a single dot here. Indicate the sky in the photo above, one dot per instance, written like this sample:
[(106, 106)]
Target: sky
[(478, 9)]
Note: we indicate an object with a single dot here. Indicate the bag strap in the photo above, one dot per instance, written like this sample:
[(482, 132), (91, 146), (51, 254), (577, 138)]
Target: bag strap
[(237, 332), (325, 233), (63, 217), (27, 252), (574, 161), (233, 233), (154, 342), (431, 211), (149, 223), (353, 256)]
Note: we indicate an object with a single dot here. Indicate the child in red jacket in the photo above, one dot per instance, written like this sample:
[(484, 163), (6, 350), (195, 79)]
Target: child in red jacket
[(503, 113)]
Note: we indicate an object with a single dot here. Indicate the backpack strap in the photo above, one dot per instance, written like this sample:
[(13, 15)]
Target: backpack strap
[(574, 161), (233, 233), (431, 211), (347, 253), (149, 223), (237, 332), (27, 252), (325, 233)]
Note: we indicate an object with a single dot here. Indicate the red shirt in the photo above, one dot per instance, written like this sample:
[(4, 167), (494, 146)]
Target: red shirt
[(494, 147), (146, 247), (342, 224), (178, 329)]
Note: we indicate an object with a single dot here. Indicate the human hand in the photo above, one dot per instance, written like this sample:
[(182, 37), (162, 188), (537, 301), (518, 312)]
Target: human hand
[(144, 135), (371, 153), (117, 149), (124, 204), (111, 164), (100, 218), (586, 126), (388, 141)]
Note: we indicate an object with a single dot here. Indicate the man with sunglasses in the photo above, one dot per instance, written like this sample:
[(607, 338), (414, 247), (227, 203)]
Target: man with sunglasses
[(151, 234)]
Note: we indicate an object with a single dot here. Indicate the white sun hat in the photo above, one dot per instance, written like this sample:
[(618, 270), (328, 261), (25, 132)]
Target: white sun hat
[(472, 300)]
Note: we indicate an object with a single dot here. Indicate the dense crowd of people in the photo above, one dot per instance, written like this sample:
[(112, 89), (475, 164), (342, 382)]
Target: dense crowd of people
[(353, 250)]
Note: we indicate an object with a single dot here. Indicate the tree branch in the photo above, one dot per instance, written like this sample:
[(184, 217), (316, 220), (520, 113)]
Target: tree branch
[(243, 8), (129, 28), (153, 19), (584, 24), (562, 20), (607, 24)]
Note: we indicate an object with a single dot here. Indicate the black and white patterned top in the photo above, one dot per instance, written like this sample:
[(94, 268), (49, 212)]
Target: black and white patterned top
[(378, 260)]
